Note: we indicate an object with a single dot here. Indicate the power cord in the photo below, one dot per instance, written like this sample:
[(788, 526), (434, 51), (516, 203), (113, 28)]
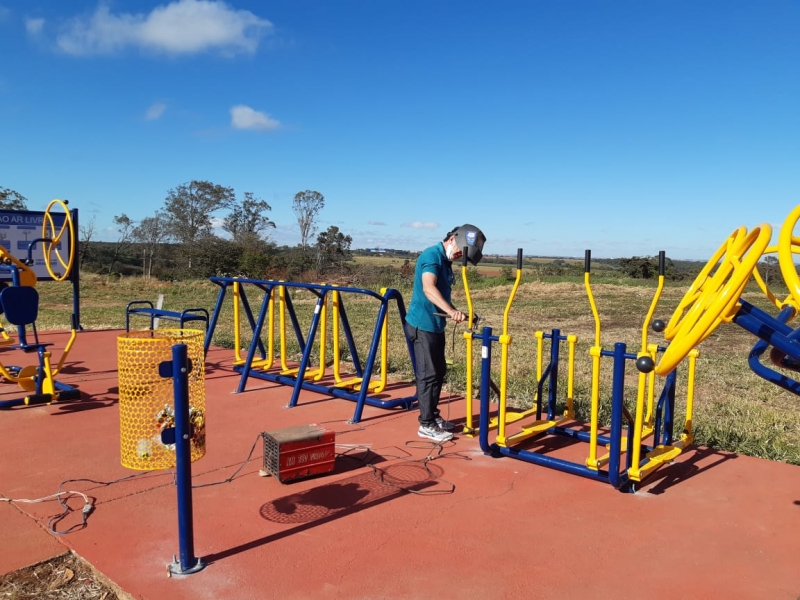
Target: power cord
[(88, 507), (435, 452), (237, 471), (63, 497)]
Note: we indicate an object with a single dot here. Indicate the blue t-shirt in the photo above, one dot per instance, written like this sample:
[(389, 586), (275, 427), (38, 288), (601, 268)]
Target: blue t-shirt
[(420, 311)]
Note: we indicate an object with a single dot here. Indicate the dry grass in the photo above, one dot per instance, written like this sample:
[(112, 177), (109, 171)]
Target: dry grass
[(66, 577)]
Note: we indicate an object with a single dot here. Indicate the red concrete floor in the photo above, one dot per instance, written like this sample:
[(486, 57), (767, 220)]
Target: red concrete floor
[(713, 525)]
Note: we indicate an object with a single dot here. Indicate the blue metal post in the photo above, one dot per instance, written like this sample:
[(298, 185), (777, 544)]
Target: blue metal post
[(75, 275), (555, 342), (309, 343), (617, 403), (255, 343), (188, 563), (486, 377)]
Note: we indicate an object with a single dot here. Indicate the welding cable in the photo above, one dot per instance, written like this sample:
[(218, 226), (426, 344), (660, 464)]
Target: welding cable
[(88, 507), (381, 475), (236, 472)]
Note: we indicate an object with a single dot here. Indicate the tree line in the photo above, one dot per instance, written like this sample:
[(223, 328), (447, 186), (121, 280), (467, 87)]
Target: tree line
[(180, 240)]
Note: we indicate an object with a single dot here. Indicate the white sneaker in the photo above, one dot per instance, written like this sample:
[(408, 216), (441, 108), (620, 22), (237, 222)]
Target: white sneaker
[(446, 425), (435, 433)]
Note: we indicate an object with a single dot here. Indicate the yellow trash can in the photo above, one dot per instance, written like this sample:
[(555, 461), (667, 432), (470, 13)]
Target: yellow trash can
[(146, 400)]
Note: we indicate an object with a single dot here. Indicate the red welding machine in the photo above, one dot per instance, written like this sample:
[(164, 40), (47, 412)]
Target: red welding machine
[(297, 452)]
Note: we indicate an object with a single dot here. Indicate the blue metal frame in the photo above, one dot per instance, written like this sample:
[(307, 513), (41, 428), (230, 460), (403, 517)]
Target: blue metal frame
[(771, 331), (616, 473), (298, 382)]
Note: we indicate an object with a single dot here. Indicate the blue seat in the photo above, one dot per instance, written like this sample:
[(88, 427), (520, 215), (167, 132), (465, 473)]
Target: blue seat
[(20, 304)]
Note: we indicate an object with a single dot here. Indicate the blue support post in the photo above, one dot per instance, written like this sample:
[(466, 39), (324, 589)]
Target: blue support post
[(223, 288), (370, 365), (617, 404), (255, 343), (486, 377), (180, 368), (301, 370), (555, 342)]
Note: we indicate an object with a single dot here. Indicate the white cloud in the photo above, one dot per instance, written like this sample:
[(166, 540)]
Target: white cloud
[(421, 225), (155, 111), (34, 26), (376, 223), (244, 117), (180, 27)]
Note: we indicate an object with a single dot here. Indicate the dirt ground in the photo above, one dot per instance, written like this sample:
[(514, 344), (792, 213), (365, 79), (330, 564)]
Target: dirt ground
[(65, 577)]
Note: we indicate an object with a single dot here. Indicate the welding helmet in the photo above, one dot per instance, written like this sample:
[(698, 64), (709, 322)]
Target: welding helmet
[(470, 237)]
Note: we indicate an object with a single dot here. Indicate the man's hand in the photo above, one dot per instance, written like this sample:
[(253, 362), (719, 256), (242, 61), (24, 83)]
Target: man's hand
[(453, 315), (458, 316)]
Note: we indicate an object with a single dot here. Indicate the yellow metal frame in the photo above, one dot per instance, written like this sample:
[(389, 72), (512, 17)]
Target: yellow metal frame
[(713, 299), (592, 461), (469, 429), (788, 246), (53, 238), (645, 396), (265, 363), (355, 383), (25, 377), (279, 293), (665, 453)]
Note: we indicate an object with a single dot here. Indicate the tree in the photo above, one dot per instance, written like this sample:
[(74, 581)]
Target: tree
[(189, 207), (639, 267), (332, 247), (11, 200), (218, 257), (124, 226), (247, 221), (150, 234), (87, 231), (306, 207), (769, 269)]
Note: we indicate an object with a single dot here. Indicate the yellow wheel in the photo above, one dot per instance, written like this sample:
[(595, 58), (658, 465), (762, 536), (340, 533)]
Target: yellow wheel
[(26, 378), (788, 244), (65, 234), (701, 283), (712, 299), (779, 304)]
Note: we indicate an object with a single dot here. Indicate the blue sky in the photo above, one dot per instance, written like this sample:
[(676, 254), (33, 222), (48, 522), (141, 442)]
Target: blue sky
[(626, 127)]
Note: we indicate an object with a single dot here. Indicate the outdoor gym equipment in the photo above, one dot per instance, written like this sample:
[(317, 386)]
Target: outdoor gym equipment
[(715, 297), (19, 302), (650, 419), (260, 361)]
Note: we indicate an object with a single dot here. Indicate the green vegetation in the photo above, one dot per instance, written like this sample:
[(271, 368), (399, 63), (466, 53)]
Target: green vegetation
[(734, 409)]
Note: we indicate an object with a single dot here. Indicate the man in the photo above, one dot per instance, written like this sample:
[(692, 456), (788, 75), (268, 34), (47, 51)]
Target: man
[(433, 281)]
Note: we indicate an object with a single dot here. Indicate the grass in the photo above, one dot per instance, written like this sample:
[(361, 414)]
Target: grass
[(734, 409)]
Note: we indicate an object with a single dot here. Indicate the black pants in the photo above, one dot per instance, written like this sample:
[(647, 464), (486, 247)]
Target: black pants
[(431, 369)]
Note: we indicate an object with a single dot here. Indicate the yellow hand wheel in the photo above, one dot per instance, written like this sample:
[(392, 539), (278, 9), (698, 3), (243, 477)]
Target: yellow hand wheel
[(779, 304), (712, 299), (788, 244), (53, 237), (702, 282)]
